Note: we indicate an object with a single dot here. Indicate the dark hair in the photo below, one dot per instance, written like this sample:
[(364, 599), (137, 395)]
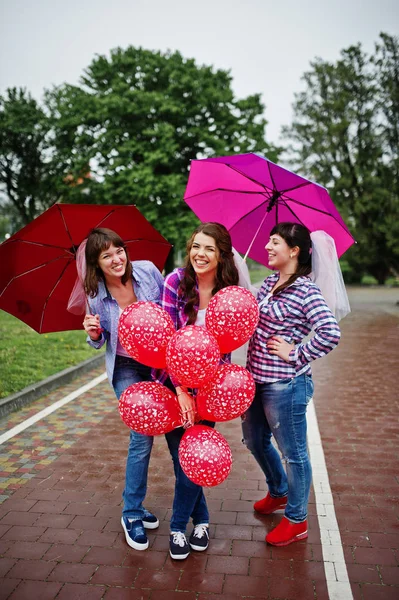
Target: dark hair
[(295, 234), (226, 273), (98, 240)]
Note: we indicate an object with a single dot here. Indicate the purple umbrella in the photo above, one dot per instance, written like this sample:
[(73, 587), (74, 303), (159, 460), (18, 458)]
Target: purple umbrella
[(249, 194)]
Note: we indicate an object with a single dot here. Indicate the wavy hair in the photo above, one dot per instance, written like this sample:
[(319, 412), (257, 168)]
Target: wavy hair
[(226, 273), (295, 234), (100, 239)]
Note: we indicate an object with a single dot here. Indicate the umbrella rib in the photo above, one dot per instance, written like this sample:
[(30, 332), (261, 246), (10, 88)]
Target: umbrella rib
[(324, 212), (52, 291), (106, 217), (31, 271), (41, 244), (304, 184), (256, 193), (145, 239), (66, 226)]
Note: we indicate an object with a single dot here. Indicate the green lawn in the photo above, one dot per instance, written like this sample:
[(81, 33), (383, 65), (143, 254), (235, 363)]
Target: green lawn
[(259, 274), (27, 357)]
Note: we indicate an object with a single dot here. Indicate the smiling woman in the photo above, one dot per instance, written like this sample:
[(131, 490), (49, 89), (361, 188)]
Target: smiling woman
[(112, 283), (290, 306), (209, 267)]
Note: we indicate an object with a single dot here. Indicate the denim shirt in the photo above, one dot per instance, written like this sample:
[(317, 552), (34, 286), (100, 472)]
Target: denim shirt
[(147, 284)]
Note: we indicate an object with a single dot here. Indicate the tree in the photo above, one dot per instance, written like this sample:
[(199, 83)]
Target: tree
[(139, 117), (22, 147), (342, 137), (33, 174)]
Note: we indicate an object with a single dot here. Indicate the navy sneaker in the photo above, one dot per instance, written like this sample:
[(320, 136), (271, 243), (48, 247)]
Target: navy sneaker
[(149, 520), (199, 538), (178, 547), (135, 534)]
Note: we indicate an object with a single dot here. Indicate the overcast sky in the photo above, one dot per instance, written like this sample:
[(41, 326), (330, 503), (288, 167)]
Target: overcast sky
[(267, 45)]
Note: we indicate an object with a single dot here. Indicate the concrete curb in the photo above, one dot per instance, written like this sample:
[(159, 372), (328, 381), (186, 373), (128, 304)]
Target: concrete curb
[(20, 399)]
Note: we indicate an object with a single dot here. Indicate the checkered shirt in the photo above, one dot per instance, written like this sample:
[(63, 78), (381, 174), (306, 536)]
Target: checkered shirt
[(291, 314)]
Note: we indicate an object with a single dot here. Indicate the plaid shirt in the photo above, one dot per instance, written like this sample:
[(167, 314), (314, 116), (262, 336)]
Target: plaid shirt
[(174, 302), (291, 314)]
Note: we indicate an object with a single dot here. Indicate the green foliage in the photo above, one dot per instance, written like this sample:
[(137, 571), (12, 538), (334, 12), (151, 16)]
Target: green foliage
[(137, 120), (27, 357), (24, 165), (345, 136)]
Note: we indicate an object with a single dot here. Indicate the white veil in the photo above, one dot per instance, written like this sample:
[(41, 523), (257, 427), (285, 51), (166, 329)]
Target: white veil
[(244, 279), (77, 303), (327, 274)]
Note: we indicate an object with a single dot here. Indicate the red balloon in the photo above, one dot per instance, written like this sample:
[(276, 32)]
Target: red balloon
[(144, 331), (192, 356), (228, 395), (232, 316), (205, 455), (150, 408)]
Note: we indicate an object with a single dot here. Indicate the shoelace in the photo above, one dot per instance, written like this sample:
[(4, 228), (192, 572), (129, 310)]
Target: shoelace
[(200, 531), (179, 539)]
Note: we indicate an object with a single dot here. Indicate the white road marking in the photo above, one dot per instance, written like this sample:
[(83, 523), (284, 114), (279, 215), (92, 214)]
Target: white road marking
[(47, 411), (333, 555)]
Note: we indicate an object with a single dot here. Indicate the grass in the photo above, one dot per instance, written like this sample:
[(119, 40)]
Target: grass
[(258, 274), (27, 357)]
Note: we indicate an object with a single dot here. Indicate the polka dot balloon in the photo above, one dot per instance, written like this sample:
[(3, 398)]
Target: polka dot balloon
[(205, 456), (228, 395), (144, 331), (150, 408), (232, 316), (192, 356)]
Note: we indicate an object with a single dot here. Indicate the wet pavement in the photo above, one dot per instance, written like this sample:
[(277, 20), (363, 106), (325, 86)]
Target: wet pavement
[(61, 482)]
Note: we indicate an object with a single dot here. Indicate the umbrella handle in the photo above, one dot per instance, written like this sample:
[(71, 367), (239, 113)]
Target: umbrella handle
[(90, 312), (254, 238)]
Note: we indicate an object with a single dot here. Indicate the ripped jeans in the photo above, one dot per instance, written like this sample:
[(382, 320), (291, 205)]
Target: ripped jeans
[(279, 409)]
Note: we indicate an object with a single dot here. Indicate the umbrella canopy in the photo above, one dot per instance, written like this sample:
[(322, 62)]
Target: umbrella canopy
[(249, 194), (38, 266)]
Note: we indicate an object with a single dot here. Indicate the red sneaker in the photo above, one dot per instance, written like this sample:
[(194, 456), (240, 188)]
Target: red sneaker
[(269, 505), (286, 533)]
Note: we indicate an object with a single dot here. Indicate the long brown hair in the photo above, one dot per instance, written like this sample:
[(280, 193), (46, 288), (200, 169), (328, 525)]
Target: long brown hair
[(100, 239), (226, 273), (295, 234)]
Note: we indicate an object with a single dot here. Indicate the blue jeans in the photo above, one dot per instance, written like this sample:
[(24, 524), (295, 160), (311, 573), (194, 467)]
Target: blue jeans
[(279, 409), (189, 500), (126, 372)]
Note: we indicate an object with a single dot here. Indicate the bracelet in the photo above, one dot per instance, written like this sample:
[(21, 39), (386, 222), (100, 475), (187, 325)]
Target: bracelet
[(180, 393)]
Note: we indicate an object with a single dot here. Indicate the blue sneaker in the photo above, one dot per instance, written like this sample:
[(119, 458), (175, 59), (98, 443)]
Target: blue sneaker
[(135, 534), (149, 520)]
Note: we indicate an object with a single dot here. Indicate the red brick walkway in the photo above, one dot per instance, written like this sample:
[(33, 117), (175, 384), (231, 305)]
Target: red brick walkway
[(60, 533)]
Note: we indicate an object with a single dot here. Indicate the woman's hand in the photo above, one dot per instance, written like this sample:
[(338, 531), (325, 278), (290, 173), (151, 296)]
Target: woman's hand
[(187, 407), (278, 346), (91, 325)]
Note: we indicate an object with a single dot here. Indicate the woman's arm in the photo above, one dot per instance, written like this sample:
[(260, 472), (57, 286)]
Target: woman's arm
[(96, 336), (325, 326)]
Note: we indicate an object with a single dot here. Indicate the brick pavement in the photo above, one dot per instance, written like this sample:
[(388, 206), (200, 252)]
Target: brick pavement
[(62, 479)]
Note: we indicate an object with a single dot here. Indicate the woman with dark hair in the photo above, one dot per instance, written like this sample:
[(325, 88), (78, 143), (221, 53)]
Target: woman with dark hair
[(112, 283), (291, 305), (209, 267)]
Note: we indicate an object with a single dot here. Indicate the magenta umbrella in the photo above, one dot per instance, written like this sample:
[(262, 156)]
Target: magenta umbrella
[(249, 194)]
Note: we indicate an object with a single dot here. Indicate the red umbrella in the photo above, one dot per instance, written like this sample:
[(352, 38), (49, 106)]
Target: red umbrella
[(38, 267)]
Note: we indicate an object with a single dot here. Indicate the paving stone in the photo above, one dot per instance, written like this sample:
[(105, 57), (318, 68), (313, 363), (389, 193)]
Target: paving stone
[(67, 496)]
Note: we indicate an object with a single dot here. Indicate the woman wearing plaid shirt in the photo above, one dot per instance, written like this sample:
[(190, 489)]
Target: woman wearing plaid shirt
[(209, 267), (291, 305)]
